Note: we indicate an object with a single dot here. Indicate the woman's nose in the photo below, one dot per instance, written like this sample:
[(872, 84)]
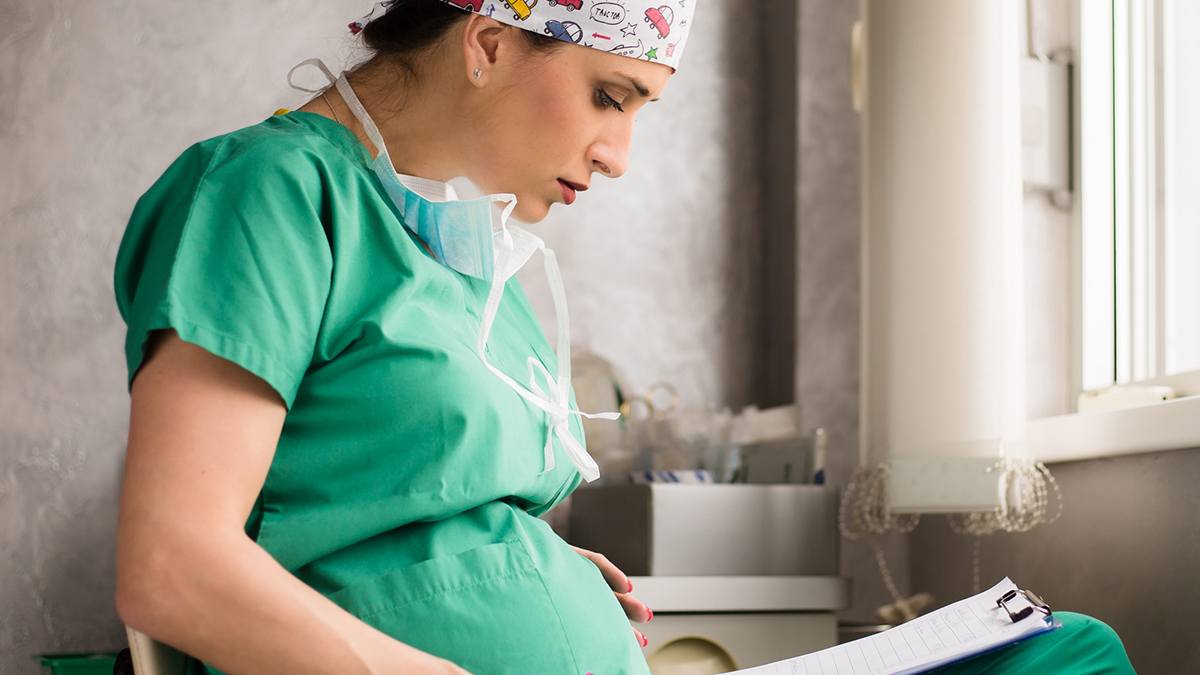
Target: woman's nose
[(610, 154)]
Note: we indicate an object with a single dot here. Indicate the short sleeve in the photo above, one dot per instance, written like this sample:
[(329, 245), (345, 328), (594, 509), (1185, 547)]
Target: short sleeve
[(229, 249)]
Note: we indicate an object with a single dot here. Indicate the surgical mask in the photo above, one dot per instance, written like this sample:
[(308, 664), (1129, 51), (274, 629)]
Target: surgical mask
[(475, 238), (458, 233)]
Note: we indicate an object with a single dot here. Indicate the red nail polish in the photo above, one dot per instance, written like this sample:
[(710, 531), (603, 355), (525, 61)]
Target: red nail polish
[(630, 587), (644, 641), (651, 614)]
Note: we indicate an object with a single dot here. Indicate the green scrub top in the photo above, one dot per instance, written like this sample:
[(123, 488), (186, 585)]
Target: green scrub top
[(408, 478)]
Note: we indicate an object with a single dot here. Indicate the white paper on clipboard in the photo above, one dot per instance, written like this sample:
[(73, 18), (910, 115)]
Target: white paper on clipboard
[(953, 633)]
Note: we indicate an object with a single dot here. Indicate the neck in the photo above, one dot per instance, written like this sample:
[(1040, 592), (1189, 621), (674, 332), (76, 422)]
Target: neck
[(422, 126)]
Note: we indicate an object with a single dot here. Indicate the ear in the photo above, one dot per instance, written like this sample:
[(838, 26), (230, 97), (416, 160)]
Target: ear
[(481, 44)]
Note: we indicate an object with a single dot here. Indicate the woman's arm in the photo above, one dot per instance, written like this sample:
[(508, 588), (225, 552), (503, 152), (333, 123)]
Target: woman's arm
[(202, 435)]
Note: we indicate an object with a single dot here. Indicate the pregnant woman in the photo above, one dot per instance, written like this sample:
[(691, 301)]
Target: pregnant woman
[(345, 417)]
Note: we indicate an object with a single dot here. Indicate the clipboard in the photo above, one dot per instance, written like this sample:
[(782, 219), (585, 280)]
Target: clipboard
[(996, 618)]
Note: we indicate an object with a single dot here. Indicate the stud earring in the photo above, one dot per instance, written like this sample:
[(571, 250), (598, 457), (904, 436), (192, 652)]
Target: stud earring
[(478, 73)]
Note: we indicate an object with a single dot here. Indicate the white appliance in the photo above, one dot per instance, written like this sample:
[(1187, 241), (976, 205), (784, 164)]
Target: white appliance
[(737, 575), (710, 625)]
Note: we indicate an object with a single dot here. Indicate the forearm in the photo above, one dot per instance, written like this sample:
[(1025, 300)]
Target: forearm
[(224, 600)]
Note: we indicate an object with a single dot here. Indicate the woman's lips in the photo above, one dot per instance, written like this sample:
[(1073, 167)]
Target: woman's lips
[(569, 189)]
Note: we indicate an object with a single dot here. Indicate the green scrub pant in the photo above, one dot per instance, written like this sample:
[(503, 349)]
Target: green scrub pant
[(1083, 646)]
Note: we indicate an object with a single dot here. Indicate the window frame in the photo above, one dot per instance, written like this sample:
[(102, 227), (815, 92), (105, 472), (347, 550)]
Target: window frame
[(1122, 214), (1118, 253)]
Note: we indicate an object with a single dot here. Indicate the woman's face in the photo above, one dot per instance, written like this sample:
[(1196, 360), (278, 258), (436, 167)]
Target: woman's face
[(549, 121)]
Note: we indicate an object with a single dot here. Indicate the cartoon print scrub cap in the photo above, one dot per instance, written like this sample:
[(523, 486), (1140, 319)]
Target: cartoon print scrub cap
[(650, 30)]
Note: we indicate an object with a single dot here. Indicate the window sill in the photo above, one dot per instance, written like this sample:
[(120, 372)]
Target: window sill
[(1168, 425)]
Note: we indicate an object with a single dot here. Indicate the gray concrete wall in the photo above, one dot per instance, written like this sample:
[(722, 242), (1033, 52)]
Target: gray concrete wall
[(99, 97), (829, 274)]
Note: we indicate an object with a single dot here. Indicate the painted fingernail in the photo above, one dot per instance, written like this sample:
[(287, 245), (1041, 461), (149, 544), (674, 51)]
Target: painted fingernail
[(630, 587), (644, 640), (651, 614)]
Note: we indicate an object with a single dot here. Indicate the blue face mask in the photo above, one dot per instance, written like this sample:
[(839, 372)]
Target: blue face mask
[(459, 233)]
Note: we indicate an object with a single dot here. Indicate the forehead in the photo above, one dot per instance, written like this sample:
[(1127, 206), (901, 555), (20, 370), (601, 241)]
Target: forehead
[(649, 78)]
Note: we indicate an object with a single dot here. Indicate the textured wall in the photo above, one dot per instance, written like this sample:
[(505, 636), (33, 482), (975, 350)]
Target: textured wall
[(827, 364), (100, 95), (98, 98)]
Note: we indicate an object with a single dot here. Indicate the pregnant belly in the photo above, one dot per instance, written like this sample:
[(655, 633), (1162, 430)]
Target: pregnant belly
[(522, 603)]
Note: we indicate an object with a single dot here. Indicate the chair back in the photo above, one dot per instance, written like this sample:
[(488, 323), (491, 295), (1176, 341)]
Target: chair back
[(153, 658)]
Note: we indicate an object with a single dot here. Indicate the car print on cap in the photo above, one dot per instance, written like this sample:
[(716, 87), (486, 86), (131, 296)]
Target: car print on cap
[(660, 19), (521, 8), (567, 31), (608, 25), (632, 51)]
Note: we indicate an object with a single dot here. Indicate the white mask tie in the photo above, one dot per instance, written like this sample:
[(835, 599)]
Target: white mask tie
[(514, 246), (511, 248)]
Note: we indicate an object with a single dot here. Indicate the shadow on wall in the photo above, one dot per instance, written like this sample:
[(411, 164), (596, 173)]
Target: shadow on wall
[(742, 106)]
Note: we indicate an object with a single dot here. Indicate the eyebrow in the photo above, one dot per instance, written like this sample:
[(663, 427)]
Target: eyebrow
[(638, 85)]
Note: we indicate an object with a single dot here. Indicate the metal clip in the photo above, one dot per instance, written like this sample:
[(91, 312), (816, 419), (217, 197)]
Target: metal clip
[(1035, 603)]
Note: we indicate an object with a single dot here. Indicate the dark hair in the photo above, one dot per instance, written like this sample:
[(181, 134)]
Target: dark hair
[(411, 28)]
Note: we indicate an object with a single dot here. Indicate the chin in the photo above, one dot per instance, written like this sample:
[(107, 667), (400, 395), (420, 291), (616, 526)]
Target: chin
[(529, 213)]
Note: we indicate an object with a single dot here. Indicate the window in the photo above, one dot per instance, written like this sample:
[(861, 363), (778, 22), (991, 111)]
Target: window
[(1181, 170), (1140, 193)]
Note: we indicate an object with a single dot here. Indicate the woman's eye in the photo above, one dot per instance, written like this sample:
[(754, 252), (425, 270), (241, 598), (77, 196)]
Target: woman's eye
[(605, 101)]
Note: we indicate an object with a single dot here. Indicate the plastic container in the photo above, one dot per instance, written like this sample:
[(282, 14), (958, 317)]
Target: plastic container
[(93, 663)]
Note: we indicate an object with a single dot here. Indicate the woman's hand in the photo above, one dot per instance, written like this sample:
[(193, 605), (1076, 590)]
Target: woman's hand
[(623, 588)]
